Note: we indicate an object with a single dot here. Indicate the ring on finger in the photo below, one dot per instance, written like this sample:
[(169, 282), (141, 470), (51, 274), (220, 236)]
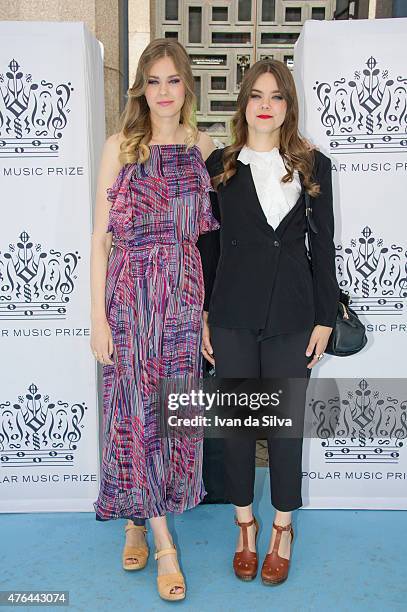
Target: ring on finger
[(320, 356)]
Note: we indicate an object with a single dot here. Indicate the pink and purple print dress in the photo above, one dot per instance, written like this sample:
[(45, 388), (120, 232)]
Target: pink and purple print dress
[(154, 301)]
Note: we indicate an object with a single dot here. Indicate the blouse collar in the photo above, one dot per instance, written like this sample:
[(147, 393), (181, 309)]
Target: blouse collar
[(250, 156)]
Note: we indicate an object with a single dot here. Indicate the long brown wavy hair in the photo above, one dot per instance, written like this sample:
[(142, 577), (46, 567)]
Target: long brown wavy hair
[(135, 121), (294, 150)]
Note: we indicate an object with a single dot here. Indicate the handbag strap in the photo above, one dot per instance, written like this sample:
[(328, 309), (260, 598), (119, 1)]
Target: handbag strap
[(344, 298), (311, 227)]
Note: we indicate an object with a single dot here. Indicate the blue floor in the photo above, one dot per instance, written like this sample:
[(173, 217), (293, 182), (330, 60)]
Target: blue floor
[(342, 560)]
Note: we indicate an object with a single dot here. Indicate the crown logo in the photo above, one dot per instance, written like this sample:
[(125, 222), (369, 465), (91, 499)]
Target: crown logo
[(374, 275), (35, 284), (32, 115), (365, 114), (363, 427), (37, 432)]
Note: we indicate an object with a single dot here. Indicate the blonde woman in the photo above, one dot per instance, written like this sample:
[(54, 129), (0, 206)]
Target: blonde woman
[(147, 299)]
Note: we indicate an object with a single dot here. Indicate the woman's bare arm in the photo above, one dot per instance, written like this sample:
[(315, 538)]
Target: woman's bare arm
[(101, 243), (205, 143)]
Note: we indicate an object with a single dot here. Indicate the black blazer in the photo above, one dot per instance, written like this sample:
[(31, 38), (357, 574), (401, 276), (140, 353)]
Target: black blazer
[(257, 277)]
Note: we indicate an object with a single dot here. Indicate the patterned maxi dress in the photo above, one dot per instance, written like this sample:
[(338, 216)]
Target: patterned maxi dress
[(154, 301)]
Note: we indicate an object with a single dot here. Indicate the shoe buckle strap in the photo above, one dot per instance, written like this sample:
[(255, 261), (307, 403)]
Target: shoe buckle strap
[(136, 527), (243, 525), (165, 551), (280, 528)]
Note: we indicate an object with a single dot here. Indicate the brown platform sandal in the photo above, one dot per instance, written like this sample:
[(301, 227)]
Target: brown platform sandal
[(275, 568), (245, 562), (130, 553), (167, 582)]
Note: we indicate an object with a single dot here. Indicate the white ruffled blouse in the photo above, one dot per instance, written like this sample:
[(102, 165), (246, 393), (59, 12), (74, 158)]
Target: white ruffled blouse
[(276, 198)]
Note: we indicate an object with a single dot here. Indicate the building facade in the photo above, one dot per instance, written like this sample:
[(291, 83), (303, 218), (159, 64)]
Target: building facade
[(225, 37)]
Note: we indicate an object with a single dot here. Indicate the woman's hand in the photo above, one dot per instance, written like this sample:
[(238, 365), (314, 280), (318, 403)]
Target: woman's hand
[(317, 343), (101, 342), (207, 350)]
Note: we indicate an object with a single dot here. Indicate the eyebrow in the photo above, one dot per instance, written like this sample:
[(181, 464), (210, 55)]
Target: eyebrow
[(151, 76), (260, 91)]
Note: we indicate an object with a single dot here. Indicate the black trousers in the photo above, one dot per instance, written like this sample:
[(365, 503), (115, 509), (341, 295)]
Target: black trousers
[(243, 353)]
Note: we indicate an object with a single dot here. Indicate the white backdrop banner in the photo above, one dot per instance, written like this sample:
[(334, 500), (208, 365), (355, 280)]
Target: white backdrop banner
[(352, 81), (51, 132)]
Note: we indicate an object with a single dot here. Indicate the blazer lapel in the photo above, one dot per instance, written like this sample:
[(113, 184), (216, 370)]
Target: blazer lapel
[(257, 207), (282, 226), (247, 179)]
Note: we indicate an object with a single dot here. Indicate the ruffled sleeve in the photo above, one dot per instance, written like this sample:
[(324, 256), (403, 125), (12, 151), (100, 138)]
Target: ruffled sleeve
[(113, 191), (209, 243), (207, 220), (117, 195)]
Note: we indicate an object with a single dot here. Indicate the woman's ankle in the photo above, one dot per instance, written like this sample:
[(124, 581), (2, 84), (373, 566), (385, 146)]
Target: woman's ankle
[(163, 540), (282, 518), (244, 514)]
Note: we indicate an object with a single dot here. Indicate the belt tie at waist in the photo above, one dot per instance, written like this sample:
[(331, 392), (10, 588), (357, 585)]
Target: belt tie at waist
[(157, 273), (157, 287)]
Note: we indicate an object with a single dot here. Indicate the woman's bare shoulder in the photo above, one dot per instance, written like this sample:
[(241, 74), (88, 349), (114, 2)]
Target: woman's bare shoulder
[(111, 149), (114, 141), (110, 164), (205, 143)]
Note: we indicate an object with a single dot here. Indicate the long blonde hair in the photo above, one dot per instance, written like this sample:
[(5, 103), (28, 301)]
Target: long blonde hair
[(293, 149), (135, 121)]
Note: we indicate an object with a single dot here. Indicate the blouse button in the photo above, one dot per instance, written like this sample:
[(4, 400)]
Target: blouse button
[(276, 243), (234, 242)]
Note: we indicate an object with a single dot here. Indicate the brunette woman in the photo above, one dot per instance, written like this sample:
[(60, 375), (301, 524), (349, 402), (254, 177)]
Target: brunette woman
[(267, 315)]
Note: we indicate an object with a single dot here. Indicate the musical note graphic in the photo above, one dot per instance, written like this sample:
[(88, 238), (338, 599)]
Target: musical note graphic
[(35, 284), (33, 115), (25, 147), (362, 426), (364, 114), (35, 312), (372, 143), (62, 457), (382, 306), (373, 274), (36, 432), (370, 454)]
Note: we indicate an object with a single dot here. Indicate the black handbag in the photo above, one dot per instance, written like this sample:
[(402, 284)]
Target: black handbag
[(349, 334)]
